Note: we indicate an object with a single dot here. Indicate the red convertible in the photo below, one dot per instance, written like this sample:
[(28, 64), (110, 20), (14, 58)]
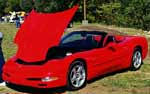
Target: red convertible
[(45, 59)]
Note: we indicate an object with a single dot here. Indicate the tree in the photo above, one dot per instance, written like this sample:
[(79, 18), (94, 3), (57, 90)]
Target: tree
[(138, 12), (127, 13), (101, 10), (12, 5), (2, 6), (26, 5), (53, 5)]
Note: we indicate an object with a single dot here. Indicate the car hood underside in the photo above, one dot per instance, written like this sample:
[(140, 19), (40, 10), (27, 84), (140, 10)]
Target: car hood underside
[(41, 31)]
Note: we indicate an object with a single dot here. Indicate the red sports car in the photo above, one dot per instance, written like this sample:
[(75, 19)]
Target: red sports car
[(45, 60)]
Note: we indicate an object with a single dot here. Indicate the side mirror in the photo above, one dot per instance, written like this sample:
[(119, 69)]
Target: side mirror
[(119, 38), (112, 46)]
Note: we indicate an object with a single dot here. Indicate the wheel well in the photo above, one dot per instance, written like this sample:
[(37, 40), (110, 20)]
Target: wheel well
[(139, 47), (82, 60)]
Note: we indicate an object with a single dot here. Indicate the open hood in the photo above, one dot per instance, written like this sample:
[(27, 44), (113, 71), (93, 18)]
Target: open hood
[(41, 31)]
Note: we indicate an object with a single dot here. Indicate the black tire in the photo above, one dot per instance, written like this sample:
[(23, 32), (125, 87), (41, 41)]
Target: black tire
[(75, 75), (136, 61)]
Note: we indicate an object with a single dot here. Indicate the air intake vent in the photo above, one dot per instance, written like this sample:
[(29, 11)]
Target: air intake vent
[(19, 61), (34, 79)]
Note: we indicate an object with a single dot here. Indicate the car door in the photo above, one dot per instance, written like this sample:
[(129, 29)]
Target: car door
[(106, 59)]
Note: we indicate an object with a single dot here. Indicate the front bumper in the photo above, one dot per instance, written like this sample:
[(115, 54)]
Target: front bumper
[(33, 75)]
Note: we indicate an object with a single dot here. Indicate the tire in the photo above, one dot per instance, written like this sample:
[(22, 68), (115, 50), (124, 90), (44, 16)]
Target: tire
[(77, 76), (136, 61)]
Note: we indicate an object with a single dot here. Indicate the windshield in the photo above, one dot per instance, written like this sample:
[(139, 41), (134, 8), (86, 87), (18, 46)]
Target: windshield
[(83, 40)]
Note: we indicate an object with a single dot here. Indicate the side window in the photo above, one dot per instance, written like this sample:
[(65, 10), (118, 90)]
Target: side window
[(108, 40), (72, 38), (93, 40)]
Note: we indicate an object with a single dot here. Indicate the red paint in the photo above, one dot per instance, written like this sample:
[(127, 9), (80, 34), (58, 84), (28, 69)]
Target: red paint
[(97, 38), (34, 36), (39, 32)]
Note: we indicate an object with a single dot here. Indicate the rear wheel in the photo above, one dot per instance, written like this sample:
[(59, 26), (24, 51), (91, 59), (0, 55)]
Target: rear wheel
[(77, 76), (136, 59)]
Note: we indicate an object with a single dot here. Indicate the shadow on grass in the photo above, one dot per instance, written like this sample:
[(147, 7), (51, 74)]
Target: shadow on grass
[(107, 75), (32, 90)]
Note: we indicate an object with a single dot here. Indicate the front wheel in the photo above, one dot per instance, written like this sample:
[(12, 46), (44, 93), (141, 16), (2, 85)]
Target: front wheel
[(136, 60), (77, 76)]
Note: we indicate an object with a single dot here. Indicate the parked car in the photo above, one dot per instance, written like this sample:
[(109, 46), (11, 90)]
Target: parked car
[(45, 59)]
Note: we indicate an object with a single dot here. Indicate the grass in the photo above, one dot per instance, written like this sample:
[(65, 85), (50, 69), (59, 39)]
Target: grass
[(129, 82), (1, 89), (9, 31)]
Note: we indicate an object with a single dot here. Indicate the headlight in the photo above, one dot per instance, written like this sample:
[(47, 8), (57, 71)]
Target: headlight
[(49, 79)]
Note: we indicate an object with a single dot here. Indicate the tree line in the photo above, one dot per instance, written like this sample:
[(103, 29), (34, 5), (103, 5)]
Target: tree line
[(126, 13)]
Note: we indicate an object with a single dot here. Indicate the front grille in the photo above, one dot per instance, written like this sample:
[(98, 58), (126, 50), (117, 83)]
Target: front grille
[(34, 79), (19, 61)]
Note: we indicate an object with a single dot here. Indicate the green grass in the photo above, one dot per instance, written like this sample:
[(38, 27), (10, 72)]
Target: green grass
[(9, 31), (128, 80), (1, 89), (136, 82)]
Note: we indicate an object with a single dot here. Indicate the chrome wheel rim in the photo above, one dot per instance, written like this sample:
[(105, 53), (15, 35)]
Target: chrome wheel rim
[(137, 59), (78, 76)]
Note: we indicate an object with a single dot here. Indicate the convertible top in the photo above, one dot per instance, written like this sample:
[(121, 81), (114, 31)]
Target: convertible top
[(41, 31), (100, 29)]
